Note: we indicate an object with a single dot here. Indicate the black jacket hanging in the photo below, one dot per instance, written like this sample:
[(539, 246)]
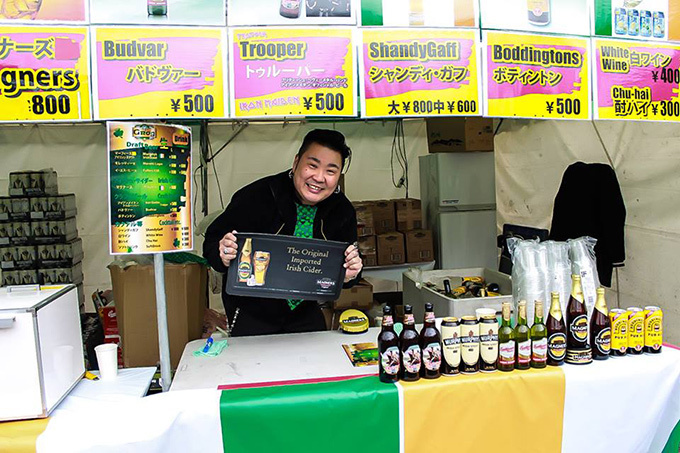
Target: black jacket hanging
[(589, 203)]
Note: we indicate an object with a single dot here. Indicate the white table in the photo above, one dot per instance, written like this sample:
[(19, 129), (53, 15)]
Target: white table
[(271, 358)]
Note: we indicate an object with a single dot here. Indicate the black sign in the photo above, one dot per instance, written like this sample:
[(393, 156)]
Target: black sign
[(287, 267)]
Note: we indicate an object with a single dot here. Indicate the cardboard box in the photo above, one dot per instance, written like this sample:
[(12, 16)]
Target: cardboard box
[(409, 214), (368, 250), (419, 246), (61, 275), (383, 216), (33, 183), (59, 207), (359, 296), (365, 225), (391, 248), (28, 277), (134, 291), (60, 255), (18, 258), (14, 209), (452, 135), (53, 231)]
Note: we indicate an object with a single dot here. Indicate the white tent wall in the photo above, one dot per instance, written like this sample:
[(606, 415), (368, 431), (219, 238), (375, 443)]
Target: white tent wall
[(78, 154), (531, 157)]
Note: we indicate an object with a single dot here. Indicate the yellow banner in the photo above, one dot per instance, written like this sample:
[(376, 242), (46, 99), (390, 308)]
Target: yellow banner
[(21, 436), (429, 73), (636, 80), (452, 413), (276, 72), (536, 76), (44, 74), (159, 73)]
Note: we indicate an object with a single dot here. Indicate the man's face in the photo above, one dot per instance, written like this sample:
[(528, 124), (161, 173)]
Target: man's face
[(316, 173)]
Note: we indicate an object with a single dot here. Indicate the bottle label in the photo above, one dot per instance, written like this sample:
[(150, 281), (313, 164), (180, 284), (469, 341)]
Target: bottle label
[(489, 348), (557, 346), (507, 353), (539, 350), (388, 321), (579, 328), (654, 330), (412, 359), (390, 360), (636, 334), (244, 270), (524, 352), (452, 351), (432, 356), (429, 316), (470, 350), (290, 4), (603, 341), (619, 337), (408, 319), (538, 7)]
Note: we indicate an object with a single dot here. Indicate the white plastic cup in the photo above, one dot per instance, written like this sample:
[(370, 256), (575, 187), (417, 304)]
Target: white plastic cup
[(484, 312), (107, 357)]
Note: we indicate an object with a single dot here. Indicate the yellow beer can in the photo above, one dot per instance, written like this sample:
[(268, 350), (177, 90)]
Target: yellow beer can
[(653, 329), (618, 319), (636, 330)]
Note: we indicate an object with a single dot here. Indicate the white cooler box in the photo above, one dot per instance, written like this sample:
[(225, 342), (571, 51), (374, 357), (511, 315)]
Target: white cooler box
[(41, 349), (417, 294)]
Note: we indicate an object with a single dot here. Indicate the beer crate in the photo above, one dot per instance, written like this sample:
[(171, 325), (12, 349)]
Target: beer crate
[(18, 258), (33, 183), (15, 233), (26, 277), (54, 231), (418, 294), (419, 246), (60, 255), (60, 275), (14, 209), (58, 207)]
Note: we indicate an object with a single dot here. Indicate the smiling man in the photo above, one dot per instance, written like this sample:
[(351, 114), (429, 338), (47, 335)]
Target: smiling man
[(304, 201)]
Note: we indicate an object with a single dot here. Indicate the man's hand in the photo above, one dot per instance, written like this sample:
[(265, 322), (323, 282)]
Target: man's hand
[(228, 248), (353, 263)]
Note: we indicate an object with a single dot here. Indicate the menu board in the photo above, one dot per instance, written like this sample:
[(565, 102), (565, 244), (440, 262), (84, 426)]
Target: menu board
[(636, 80), (277, 72), (433, 72), (44, 74), (156, 72), (286, 267), (149, 188), (536, 76)]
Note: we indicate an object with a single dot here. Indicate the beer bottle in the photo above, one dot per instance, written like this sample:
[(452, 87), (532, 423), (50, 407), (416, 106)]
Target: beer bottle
[(539, 12), (522, 339), (557, 332), (431, 345), (506, 341), (245, 264), (539, 338), (410, 347), (388, 348), (577, 319), (600, 331)]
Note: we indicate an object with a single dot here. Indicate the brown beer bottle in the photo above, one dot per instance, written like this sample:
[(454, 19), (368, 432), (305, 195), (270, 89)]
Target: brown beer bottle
[(577, 317), (388, 348), (557, 332), (430, 345), (409, 345), (600, 331)]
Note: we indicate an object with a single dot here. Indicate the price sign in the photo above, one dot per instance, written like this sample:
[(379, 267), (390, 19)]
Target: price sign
[(159, 73), (44, 74), (433, 72), (532, 76), (636, 80), (277, 72)]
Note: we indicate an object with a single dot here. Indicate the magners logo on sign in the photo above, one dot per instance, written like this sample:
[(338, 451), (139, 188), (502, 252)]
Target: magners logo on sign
[(557, 346)]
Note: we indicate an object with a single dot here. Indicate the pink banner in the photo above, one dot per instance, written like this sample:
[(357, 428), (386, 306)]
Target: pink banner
[(392, 76), (521, 69), (144, 65)]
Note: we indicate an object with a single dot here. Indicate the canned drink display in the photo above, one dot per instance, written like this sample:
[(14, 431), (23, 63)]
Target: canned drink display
[(645, 23), (633, 22), (451, 344), (618, 319), (488, 343), (620, 21), (636, 330), (653, 329), (469, 333), (659, 24)]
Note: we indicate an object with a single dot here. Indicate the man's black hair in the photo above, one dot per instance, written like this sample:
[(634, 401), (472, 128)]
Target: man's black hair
[(330, 139)]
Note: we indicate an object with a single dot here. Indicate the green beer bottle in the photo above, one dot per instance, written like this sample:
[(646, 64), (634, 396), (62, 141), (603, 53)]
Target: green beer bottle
[(506, 341), (539, 338), (522, 338)]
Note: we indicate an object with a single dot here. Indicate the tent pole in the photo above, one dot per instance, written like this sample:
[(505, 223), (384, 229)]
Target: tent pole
[(161, 312)]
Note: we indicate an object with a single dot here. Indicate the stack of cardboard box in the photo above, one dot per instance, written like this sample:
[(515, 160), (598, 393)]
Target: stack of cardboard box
[(39, 241), (390, 232)]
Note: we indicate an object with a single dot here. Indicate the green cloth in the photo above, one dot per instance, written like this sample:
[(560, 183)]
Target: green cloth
[(673, 443), (304, 228), (355, 415)]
